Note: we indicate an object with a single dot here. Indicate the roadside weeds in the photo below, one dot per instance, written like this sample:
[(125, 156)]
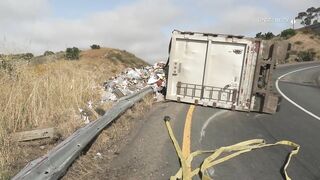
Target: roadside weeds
[(50, 94), (93, 163)]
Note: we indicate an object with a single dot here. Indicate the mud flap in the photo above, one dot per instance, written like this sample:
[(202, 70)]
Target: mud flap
[(279, 102), (271, 103)]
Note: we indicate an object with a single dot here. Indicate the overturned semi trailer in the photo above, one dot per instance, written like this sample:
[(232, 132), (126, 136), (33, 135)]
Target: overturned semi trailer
[(224, 71)]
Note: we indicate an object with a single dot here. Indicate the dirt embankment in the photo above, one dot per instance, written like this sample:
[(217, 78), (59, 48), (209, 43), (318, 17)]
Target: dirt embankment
[(304, 43), (48, 91)]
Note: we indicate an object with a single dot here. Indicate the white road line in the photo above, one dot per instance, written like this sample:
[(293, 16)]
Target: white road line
[(291, 101)]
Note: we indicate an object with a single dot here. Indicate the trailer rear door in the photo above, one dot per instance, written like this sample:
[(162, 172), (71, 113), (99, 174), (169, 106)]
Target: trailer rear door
[(223, 68), (190, 58)]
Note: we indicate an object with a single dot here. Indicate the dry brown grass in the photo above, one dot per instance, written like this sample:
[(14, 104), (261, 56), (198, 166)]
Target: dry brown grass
[(305, 41), (47, 95), (108, 144)]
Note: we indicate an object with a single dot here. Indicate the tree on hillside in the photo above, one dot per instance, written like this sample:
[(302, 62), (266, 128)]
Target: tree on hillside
[(268, 35), (48, 53), (265, 36), (259, 35), (310, 16), (287, 33), (27, 56), (72, 53), (95, 46)]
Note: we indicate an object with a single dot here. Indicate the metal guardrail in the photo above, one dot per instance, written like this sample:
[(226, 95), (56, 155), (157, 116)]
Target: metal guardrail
[(54, 164)]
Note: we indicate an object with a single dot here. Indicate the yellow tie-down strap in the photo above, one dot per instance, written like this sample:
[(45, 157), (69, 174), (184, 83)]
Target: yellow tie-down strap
[(186, 173)]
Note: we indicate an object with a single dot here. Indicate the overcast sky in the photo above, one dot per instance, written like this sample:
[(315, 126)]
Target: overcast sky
[(140, 26)]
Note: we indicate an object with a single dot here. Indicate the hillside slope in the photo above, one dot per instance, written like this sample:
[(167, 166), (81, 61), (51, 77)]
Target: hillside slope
[(49, 91), (303, 43)]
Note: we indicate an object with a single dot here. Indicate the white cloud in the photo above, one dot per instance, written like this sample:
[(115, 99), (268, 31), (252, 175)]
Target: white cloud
[(15, 10), (242, 20), (142, 27), (295, 6), (136, 27)]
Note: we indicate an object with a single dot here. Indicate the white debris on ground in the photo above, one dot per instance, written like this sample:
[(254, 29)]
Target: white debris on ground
[(134, 79), (129, 81), (84, 116), (98, 155)]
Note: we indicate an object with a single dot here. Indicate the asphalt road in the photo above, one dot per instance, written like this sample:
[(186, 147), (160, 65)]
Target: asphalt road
[(150, 154)]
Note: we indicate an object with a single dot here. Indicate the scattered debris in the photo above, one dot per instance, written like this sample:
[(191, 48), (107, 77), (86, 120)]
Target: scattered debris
[(99, 155), (34, 134), (118, 93), (129, 81), (108, 96), (84, 116), (133, 80), (159, 97), (90, 105)]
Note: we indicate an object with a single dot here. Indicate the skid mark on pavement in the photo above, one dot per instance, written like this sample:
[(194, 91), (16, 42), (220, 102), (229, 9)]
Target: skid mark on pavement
[(204, 127), (258, 115)]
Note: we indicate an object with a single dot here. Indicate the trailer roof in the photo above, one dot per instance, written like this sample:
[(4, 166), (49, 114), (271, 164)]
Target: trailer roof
[(209, 34)]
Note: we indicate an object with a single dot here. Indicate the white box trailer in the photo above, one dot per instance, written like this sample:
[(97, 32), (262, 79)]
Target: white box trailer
[(223, 71)]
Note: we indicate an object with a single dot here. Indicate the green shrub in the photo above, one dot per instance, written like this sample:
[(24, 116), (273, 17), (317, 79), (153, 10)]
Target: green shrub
[(306, 56), (27, 56), (48, 53), (265, 36), (269, 35), (95, 46), (72, 53), (288, 33), (6, 65), (259, 35)]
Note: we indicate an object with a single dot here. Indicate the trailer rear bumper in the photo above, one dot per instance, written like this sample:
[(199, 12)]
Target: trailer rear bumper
[(271, 103)]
